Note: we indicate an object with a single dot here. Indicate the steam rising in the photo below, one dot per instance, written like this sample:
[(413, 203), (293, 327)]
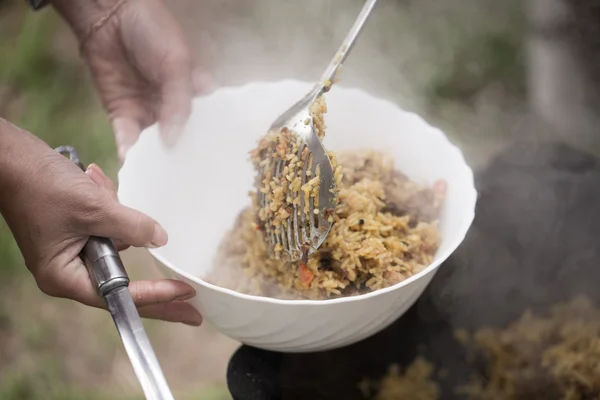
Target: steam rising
[(244, 41), (515, 254), (533, 241)]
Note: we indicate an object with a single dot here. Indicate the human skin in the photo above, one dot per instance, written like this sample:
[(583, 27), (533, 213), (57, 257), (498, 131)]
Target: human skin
[(140, 62), (144, 74)]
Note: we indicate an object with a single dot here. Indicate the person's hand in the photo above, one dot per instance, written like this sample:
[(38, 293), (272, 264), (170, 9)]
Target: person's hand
[(140, 62), (52, 207)]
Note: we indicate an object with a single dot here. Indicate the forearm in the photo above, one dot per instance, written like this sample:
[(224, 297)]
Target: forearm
[(17, 148), (9, 155), (82, 14)]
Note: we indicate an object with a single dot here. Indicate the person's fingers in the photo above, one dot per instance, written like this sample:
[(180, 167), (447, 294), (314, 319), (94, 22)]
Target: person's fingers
[(72, 281), (145, 293), (124, 225), (106, 217), (131, 108), (163, 299), (120, 245), (127, 131), (175, 311), (93, 173), (176, 90), (113, 220), (202, 82), (175, 110), (97, 175)]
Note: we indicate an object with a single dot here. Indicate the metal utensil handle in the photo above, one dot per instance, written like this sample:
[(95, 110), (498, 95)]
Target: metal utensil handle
[(99, 254), (348, 44), (109, 277)]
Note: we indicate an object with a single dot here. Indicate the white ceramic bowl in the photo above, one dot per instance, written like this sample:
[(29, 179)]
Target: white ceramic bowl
[(197, 189)]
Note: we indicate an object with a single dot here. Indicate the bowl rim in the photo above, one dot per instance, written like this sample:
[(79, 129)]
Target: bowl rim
[(454, 244)]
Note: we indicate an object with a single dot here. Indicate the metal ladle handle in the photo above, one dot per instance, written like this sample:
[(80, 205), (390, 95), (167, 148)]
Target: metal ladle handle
[(99, 254), (110, 280)]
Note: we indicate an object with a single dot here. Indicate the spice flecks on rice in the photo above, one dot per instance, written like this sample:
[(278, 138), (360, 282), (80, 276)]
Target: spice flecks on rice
[(385, 230), (279, 159), (384, 226)]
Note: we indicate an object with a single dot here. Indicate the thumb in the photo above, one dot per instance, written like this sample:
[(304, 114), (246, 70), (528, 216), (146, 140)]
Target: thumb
[(127, 130), (176, 105), (129, 226)]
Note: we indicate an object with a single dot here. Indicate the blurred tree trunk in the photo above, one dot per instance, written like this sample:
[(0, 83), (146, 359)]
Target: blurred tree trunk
[(564, 68)]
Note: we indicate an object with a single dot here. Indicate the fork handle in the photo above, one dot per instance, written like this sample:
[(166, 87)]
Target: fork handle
[(344, 50)]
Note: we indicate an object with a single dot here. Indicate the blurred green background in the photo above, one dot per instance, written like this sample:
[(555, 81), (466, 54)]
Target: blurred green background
[(44, 92), (466, 65), (51, 348)]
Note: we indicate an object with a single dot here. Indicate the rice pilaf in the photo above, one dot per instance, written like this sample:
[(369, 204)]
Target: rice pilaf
[(385, 227), (281, 150), (416, 382), (553, 356)]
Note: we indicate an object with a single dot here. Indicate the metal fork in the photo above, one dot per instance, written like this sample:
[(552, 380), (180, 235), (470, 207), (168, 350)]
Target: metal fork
[(303, 235)]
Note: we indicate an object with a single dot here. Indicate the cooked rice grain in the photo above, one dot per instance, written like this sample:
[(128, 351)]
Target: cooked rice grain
[(385, 230), (414, 383), (553, 357), (279, 160)]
